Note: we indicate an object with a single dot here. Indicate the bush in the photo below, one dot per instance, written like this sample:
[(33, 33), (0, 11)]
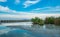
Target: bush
[(37, 20), (57, 21), (49, 20)]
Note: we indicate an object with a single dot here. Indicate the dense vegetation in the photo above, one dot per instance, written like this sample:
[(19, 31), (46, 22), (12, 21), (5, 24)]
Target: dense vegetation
[(37, 20), (57, 21), (48, 20)]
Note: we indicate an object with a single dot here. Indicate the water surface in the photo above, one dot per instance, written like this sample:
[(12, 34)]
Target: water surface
[(27, 29)]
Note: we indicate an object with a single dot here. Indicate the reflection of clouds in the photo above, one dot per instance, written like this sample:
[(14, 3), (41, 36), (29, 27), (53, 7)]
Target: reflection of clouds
[(24, 24), (30, 32), (27, 35), (6, 30), (19, 33)]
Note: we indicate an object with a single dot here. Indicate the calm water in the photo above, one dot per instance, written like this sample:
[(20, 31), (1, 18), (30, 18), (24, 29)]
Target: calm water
[(27, 29)]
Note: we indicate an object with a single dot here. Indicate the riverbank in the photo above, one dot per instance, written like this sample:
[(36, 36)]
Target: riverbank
[(47, 20)]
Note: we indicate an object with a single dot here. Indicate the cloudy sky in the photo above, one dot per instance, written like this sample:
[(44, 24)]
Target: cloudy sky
[(26, 9)]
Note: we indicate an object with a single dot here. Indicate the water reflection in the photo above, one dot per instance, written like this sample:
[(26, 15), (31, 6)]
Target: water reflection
[(28, 30)]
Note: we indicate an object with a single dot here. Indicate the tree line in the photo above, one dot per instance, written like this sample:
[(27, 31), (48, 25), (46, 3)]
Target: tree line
[(8, 21), (47, 20)]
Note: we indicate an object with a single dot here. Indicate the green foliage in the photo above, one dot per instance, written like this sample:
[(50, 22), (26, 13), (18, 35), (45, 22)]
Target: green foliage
[(57, 21), (37, 20), (49, 20)]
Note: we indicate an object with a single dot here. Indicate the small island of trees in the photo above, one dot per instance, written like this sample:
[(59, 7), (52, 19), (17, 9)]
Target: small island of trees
[(47, 20)]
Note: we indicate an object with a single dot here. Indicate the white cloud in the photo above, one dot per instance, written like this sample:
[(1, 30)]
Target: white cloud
[(17, 1), (42, 8), (47, 9), (19, 15), (6, 9), (28, 3), (3, 0), (28, 16), (57, 8)]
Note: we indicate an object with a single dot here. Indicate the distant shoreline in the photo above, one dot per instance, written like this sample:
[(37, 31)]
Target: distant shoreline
[(9, 21)]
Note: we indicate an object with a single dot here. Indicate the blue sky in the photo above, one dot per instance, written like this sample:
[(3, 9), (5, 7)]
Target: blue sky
[(29, 8)]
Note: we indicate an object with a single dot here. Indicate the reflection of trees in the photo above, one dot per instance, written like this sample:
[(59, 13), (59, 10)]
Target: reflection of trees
[(48, 20)]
